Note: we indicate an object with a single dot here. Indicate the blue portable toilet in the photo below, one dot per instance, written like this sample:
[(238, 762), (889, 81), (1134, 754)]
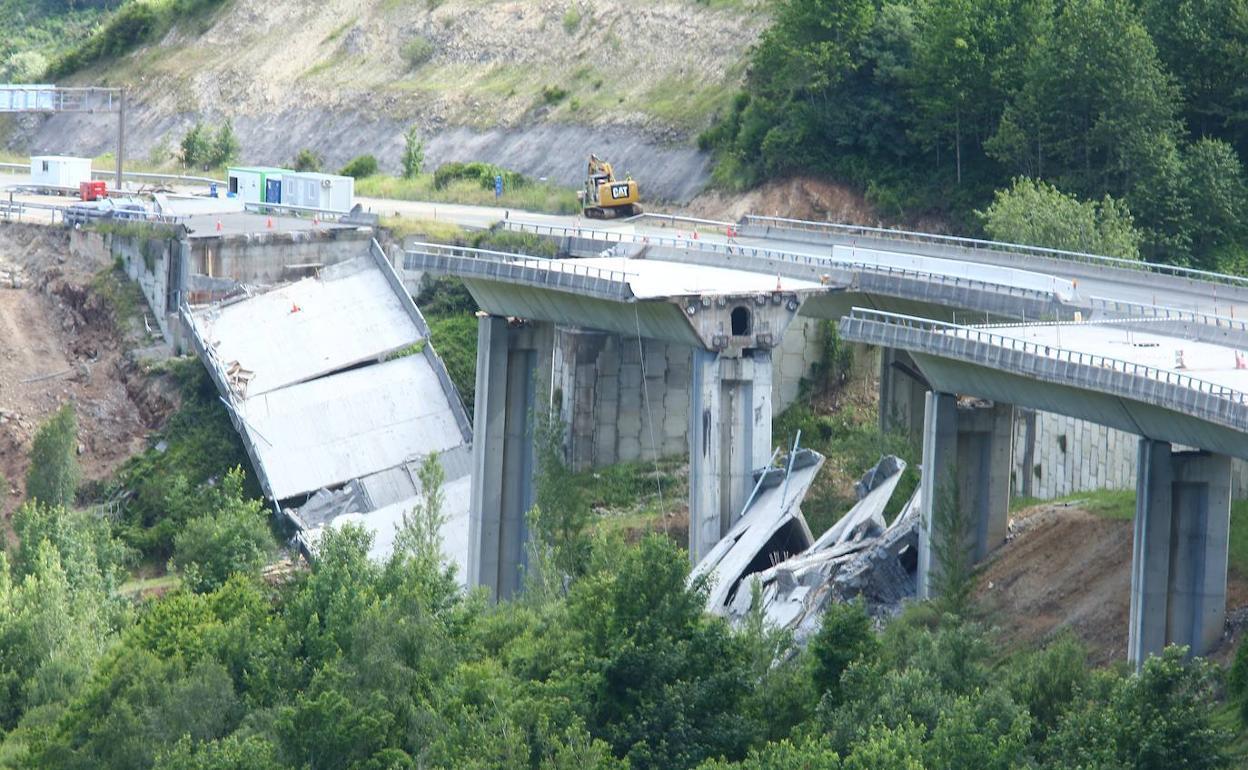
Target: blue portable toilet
[(273, 190)]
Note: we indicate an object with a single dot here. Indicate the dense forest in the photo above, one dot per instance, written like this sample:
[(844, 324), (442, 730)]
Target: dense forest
[(353, 664), (1135, 106), (607, 660)]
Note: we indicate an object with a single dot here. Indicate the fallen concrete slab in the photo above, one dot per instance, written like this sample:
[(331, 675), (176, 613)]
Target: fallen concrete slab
[(338, 395)]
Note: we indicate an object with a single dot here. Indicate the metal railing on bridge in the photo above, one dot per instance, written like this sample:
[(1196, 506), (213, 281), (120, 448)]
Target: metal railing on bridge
[(567, 274), (977, 244), (984, 346), (1140, 311), (817, 263)]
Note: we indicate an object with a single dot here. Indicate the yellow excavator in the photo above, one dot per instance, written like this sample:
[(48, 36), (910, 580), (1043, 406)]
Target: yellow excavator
[(606, 197)]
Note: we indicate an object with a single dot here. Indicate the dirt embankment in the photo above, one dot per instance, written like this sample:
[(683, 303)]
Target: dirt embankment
[(1068, 569), (59, 344)]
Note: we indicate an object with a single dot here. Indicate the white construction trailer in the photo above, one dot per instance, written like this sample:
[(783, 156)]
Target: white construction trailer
[(59, 171), (318, 191)]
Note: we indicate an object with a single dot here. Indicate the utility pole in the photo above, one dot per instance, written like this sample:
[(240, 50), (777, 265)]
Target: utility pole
[(121, 133)]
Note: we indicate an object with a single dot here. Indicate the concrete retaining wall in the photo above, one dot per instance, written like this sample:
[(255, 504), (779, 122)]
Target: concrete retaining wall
[(268, 258), (145, 260), (604, 405), (1069, 456)]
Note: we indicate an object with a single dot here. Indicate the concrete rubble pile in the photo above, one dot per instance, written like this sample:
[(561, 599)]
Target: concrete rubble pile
[(859, 556)]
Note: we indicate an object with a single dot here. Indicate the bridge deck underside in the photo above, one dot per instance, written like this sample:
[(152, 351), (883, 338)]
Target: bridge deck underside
[(657, 319)]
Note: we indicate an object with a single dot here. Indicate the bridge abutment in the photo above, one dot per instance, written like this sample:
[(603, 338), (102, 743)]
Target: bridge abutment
[(729, 437), (967, 463), (508, 359), (1179, 556)]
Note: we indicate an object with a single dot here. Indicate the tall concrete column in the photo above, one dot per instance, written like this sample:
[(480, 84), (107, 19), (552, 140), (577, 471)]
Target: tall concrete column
[(729, 437), (577, 353), (967, 463), (902, 394), (1178, 562), (509, 358)]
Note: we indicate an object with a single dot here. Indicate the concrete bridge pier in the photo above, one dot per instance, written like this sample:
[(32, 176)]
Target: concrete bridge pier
[(903, 393), (509, 355), (729, 437), (967, 462), (1178, 564)]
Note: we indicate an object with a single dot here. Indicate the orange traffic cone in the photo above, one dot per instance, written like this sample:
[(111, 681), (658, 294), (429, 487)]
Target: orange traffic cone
[(270, 223), (218, 225)]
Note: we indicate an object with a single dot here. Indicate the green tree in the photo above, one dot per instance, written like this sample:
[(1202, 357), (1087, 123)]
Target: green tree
[(307, 160), (230, 753), (845, 636), (420, 533), (360, 167), (233, 537), (560, 516), (1217, 197), (413, 153), (888, 748), (1158, 718), (654, 676), (1204, 43), (225, 147), (792, 81), (1038, 214), (1096, 113), (83, 542), (54, 473), (810, 754), (196, 146), (951, 78)]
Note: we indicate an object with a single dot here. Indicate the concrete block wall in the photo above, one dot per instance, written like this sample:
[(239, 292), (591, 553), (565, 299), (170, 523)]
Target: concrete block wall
[(610, 422), (1068, 456), (150, 272)]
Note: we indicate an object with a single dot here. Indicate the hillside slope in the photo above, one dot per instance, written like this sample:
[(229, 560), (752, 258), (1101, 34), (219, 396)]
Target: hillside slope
[(532, 85)]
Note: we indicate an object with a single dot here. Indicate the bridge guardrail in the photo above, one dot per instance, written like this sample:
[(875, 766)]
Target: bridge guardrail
[(810, 260), (1138, 310), (675, 219), (538, 271), (974, 343), (280, 208), (836, 228)]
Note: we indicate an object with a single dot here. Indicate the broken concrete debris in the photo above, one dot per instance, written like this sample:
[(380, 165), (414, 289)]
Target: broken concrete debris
[(859, 556)]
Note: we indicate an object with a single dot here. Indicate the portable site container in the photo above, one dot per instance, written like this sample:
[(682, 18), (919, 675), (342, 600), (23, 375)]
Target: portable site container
[(59, 171), (318, 191), (256, 184)]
